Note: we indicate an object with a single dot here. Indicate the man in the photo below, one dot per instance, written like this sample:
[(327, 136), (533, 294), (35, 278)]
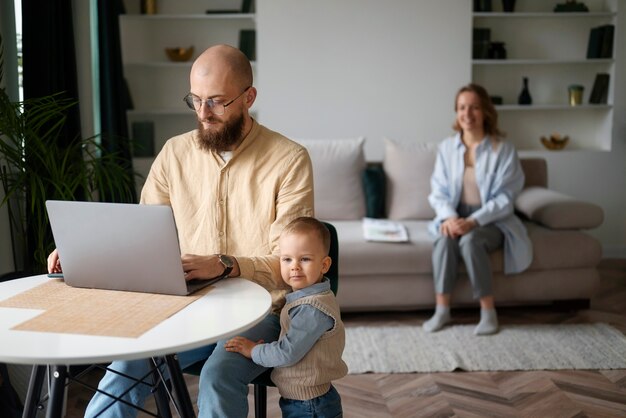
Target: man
[(233, 185)]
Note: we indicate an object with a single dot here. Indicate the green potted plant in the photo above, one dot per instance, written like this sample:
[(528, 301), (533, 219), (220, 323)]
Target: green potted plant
[(35, 167)]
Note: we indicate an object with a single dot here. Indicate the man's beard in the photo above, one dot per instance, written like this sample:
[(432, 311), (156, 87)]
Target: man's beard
[(223, 139)]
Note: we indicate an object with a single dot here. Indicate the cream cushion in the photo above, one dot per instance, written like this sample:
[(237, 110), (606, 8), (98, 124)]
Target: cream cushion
[(557, 210), (337, 168), (408, 167)]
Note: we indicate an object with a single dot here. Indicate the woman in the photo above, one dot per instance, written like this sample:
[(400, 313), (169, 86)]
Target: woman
[(473, 187)]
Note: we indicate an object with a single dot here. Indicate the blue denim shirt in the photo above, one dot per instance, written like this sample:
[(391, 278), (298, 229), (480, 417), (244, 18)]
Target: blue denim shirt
[(499, 178), (308, 324)]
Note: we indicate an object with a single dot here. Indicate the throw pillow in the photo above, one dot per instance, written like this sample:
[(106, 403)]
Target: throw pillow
[(337, 168), (557, 210), (408, 166), (374, 188)]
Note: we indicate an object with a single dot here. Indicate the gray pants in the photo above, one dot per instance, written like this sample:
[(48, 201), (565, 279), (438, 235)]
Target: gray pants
[(473, 248)]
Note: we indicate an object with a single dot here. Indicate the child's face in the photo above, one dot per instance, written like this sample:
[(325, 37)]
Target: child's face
[(302, 259)]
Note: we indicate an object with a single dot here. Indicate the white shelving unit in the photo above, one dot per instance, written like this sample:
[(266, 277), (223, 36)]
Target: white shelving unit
[(550, 49), (157, 86)]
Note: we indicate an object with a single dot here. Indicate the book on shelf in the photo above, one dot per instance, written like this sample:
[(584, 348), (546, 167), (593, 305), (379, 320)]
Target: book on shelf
[(384, 230), (247, 43), (600, 90), (600, 43), (247, 6), (607, 41)]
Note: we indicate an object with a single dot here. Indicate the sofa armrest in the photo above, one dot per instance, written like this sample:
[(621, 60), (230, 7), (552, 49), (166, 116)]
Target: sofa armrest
[(556, 210)]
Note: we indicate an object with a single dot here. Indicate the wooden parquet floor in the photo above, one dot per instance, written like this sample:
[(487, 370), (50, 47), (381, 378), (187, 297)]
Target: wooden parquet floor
[(540, 394)]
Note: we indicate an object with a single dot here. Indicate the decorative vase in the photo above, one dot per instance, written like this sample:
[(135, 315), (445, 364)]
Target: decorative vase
[(148, 7), (508, 5), (524, 97), (576, 94)]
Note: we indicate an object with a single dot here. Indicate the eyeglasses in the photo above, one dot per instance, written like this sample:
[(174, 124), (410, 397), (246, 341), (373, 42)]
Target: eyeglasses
[(195, 103)]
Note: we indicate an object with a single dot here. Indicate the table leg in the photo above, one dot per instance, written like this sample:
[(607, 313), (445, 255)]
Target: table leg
[(35, 384), (57, 392), (179, 387)]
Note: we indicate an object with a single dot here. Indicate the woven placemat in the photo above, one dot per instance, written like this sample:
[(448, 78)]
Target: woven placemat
[(111, 313)]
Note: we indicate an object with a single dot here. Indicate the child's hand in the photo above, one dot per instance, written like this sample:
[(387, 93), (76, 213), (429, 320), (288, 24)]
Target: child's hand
[(241, 345)]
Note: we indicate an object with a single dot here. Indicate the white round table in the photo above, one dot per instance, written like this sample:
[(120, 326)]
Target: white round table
[(233, 306)]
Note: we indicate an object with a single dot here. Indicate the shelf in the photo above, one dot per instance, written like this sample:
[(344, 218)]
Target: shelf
[(550, 15), (531, 61), (542, 107), (207, 16), (165, 64), (183, 111)]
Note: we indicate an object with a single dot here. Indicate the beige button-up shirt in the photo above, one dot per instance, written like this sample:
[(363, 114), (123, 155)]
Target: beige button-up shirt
[(237, 207)]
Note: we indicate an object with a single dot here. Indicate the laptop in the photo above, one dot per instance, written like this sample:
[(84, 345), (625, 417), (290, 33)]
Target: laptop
[(119, 246)]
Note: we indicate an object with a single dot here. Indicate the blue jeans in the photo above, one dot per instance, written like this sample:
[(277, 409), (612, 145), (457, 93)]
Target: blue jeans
[(223, 387), (325, 406)]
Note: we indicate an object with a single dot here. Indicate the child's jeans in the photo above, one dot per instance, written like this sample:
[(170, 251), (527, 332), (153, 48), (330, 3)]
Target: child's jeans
[(325, 406)]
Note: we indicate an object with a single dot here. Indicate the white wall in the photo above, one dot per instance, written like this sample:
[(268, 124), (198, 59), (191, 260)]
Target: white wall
[(361, 68), (336, 69)]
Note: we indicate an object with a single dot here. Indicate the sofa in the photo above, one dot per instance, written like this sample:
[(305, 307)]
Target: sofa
[(383, 276)]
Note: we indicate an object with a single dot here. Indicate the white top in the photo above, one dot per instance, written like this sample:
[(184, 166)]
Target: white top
[(232, 307)]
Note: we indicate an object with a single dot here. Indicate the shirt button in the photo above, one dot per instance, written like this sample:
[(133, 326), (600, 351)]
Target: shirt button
[(221, 233)]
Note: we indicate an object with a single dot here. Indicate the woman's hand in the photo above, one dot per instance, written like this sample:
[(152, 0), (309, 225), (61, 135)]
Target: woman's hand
[(456, 227)]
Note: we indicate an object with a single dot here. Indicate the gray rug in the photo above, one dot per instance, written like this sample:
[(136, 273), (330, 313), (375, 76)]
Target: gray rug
[(405, 349)]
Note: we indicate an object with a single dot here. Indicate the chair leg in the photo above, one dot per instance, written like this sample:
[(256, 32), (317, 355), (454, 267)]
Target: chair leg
[(161, 389), (162, 401), (260, 401)]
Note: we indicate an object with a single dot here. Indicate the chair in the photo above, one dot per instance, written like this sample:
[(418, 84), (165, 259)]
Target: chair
[(263, 381)]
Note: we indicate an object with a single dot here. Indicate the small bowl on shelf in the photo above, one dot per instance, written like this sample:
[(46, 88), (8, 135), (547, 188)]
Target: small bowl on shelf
[(555, 141), (179, 54)]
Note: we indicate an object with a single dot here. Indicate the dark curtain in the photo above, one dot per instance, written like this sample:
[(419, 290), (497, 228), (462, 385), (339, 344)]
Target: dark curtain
[(114, 97), (49, 67), (49, 57)]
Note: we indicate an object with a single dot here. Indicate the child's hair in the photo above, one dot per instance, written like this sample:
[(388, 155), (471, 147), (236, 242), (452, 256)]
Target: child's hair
[(305, 224)]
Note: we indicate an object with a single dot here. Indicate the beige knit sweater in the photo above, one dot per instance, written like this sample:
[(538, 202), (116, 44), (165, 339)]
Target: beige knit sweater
[(311, 376)]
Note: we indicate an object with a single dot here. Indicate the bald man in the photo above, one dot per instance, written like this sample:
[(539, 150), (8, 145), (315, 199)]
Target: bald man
[(233, 185)]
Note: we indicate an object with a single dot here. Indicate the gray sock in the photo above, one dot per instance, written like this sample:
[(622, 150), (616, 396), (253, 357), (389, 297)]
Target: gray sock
[(438, 320), (488, 322)]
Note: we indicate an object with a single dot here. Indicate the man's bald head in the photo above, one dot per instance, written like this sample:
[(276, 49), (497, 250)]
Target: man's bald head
[(226, 62)]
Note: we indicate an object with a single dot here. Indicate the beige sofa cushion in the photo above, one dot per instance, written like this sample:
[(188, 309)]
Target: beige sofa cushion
[(556, 210), (553, 250), (408, 166), (383, 259), (337, 168)]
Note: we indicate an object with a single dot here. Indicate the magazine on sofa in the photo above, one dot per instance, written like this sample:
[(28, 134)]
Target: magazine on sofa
[(384, 230)]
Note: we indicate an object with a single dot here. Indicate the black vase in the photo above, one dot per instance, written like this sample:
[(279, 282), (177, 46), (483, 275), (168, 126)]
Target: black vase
[(524, 97), (508, 5)]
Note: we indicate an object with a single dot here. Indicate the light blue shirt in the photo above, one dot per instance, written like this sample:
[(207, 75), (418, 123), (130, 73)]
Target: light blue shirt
[(499, 178), (308, 324)]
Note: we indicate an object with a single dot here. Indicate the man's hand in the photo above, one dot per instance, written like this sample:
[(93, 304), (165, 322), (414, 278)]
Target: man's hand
[(241, 345), (456, 227), (54, 264), (205, 267)]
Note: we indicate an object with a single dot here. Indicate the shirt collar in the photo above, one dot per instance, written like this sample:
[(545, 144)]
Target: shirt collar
[(458, 142), (320, 287)]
